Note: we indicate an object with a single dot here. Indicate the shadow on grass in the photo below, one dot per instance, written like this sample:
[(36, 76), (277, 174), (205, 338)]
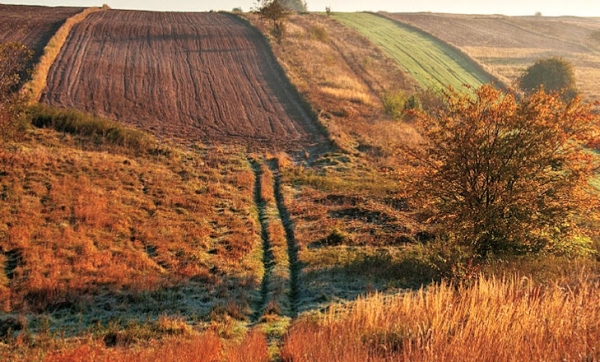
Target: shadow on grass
[(337, 274), (95, 308)]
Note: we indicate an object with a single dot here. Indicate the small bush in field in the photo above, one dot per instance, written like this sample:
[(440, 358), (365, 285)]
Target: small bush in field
[(551, 74), (319, 33), (398, 104), (277, 12), (14, 58)]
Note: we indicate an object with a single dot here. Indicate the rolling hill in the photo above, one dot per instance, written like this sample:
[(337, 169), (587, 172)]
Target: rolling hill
[(431, 63), (196, 76), (32, 25), (231, 197), (505, 45)]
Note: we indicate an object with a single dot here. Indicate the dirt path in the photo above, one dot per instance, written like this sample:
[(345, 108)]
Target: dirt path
[(194, 76), (292, 247), (279, 288)]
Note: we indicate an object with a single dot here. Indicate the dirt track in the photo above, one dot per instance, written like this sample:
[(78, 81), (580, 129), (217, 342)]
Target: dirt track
[(32, 25), (204, 76)]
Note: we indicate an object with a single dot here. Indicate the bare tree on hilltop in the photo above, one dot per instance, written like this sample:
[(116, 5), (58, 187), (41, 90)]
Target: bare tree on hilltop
[(277, 11)]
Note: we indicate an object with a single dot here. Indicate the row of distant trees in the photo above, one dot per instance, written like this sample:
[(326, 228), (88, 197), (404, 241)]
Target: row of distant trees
[(299, 6)]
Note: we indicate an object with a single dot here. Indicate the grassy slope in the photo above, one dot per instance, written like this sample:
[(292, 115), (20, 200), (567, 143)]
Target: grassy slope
[(350, 228), (184, 227), (431, 63), (343, 79), (95, 233)]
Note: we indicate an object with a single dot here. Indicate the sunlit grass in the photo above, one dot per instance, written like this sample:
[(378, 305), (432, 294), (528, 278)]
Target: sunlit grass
[(512, 319)]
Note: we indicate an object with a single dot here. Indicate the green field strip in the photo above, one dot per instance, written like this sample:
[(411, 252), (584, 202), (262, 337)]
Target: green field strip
[(431, 63)]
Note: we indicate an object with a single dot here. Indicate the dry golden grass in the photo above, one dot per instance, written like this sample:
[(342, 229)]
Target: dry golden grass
[(204, 347), (35, 87), (89, 226), (495, 320)]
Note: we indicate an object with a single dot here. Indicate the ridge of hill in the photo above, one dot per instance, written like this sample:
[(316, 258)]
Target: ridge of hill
[(32, 25)]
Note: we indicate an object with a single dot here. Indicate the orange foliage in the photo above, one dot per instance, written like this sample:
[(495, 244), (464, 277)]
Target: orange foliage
[(499, 174), (207, 347)]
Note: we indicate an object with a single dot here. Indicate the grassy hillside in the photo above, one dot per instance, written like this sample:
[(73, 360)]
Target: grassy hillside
[(94, 233), (427, 60), (507, 45)]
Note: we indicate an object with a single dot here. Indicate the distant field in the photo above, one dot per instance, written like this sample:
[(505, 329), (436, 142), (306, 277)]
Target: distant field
[(196, 76), (505, 46), (431, 63)]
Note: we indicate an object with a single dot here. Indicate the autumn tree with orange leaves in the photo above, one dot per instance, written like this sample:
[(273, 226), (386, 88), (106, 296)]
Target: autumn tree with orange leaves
[(496, 174)]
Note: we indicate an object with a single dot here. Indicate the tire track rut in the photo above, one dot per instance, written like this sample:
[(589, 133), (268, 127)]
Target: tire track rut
[(279, 289), (292, 246), (267, 255)]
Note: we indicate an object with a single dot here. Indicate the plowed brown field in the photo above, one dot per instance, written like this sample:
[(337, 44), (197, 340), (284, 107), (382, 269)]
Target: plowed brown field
[(507, 45), (197, 76), (32, 25)]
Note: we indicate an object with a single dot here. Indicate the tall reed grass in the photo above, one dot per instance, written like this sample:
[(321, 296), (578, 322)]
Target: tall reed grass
[(508, 319)]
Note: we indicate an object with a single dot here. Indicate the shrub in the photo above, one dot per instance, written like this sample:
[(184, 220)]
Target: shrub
[(295, 5), (553, 75), (398, 104), (501, 175), (14, 58), (319, 33), (277, 12)]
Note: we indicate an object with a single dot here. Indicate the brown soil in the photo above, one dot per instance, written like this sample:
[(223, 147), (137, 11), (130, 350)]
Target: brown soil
[(195, 76), (505, 45), (32, 25)]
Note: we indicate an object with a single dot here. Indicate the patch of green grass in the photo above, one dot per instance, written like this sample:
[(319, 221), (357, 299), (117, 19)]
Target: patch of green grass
[(101, 130), (431, 63)]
